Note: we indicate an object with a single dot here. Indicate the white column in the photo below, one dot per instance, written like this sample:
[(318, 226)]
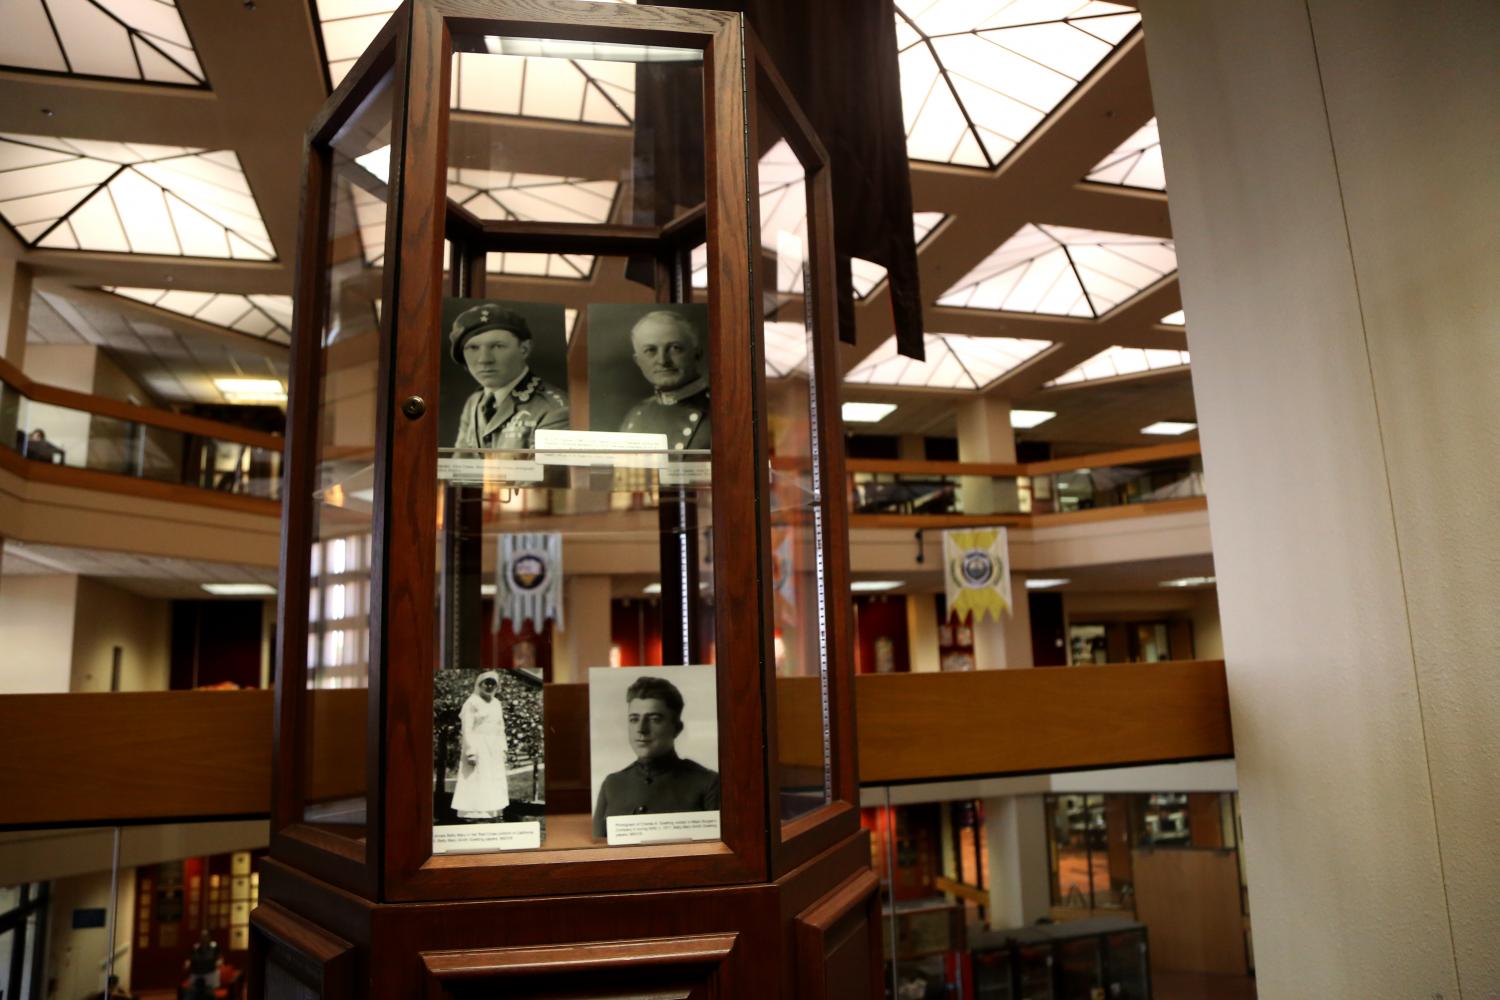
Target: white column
[(922, 633), (585, 644), (985, 435), (1015, 829), (1333, 182)]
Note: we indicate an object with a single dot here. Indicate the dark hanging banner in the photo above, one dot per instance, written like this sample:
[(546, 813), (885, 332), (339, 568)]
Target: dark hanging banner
[(839, 59)]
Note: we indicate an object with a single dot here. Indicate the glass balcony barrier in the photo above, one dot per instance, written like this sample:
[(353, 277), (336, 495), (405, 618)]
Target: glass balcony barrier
[(880, 487), (60, 427)]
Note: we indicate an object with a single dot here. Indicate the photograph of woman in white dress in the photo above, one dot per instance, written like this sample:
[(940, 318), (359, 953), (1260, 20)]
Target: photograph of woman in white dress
[(483, 788)]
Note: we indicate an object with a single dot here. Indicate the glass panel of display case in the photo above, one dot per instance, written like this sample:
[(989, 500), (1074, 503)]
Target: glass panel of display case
[(1079, 973), (992, 974), (575, 575), (1125, 965), (799, 628), (343, 501)]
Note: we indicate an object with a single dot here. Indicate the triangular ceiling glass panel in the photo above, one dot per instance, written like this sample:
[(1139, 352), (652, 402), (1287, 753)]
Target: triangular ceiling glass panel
[(165, 200), (120, 39), (978, 78), (1062, 271)]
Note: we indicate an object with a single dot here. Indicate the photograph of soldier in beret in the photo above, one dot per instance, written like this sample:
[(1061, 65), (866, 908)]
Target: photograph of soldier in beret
[(648, 372), (670, 717), (507, 376)]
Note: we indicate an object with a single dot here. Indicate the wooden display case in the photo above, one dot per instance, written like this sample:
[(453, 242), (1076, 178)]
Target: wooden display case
[(576, 155)]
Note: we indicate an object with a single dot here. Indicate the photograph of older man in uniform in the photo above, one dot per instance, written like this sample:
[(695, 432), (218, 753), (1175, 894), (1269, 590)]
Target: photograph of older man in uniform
[(648, 372), (660, 723), (506, 374)]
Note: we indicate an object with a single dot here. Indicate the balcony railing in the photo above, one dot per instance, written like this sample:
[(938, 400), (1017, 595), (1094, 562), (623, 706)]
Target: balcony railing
[(887, 490), (60, 428)]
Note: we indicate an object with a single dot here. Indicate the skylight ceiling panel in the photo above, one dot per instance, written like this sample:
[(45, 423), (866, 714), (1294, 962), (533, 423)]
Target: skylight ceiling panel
[(490, 84), (1019, 79), (988, 358), (28, 40), (1070, 55), (75, 175), (97, 225), (187, 303), (278, 307), (41, 210), (222, 310), (1136, 162), (96, 44), (345, 40), (936, 128), (785, 348), (946, 373), (143, 209), (554, 89), (196, 234), (16, 155), (155, 18)]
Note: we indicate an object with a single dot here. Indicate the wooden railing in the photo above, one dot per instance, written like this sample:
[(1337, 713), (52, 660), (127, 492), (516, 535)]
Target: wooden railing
[(89, 758), (896, 493), (195, 431)]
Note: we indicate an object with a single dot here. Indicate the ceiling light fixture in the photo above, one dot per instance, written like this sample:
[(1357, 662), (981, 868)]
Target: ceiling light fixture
[(1169, 428), (1044, 583), (251, 390), (873, 586), (1190, 581), (240, 589), (866, 413), (1027, 419)]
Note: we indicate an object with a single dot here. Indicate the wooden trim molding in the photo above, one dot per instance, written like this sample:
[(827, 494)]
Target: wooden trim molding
[(90, 758), (300, 951), (145, 489), (849, 916), (1126, 456), (689, 968)]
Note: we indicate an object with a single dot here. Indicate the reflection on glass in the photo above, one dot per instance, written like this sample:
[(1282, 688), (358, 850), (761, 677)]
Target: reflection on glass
[(338, 640), (799, 630), (627, 535)]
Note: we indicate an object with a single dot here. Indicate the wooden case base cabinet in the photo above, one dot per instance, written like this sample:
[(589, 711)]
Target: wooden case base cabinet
[(812, 935)]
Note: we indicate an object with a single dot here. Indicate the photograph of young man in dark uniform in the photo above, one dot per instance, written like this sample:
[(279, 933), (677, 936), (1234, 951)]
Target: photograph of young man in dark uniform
[(658, 781)]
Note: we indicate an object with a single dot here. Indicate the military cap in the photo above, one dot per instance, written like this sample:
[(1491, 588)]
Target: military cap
[(481, 318)]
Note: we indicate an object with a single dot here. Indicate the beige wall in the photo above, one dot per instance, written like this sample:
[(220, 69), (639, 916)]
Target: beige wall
[(75, 958), (1333, 198), (140, 626), (36, 633), (65, 366)]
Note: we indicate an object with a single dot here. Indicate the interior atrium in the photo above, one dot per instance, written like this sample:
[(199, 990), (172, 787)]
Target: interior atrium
[(1136, 640)]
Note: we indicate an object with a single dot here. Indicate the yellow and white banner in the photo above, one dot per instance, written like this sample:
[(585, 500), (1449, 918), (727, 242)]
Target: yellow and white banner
[(977, 571)]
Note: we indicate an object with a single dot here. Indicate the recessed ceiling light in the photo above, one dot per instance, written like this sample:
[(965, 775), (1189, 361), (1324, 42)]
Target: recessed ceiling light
[(240, 589), (1042, 583), (652, 588), (487, 590), (1189, 581), (1169, 427), (251, 390), (871, 586), (867, 413), (1025, 419)]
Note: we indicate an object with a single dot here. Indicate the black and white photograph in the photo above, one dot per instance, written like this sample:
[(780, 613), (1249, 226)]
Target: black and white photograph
[(505, 373), (648, 372), (654, 753), (489, 768)]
